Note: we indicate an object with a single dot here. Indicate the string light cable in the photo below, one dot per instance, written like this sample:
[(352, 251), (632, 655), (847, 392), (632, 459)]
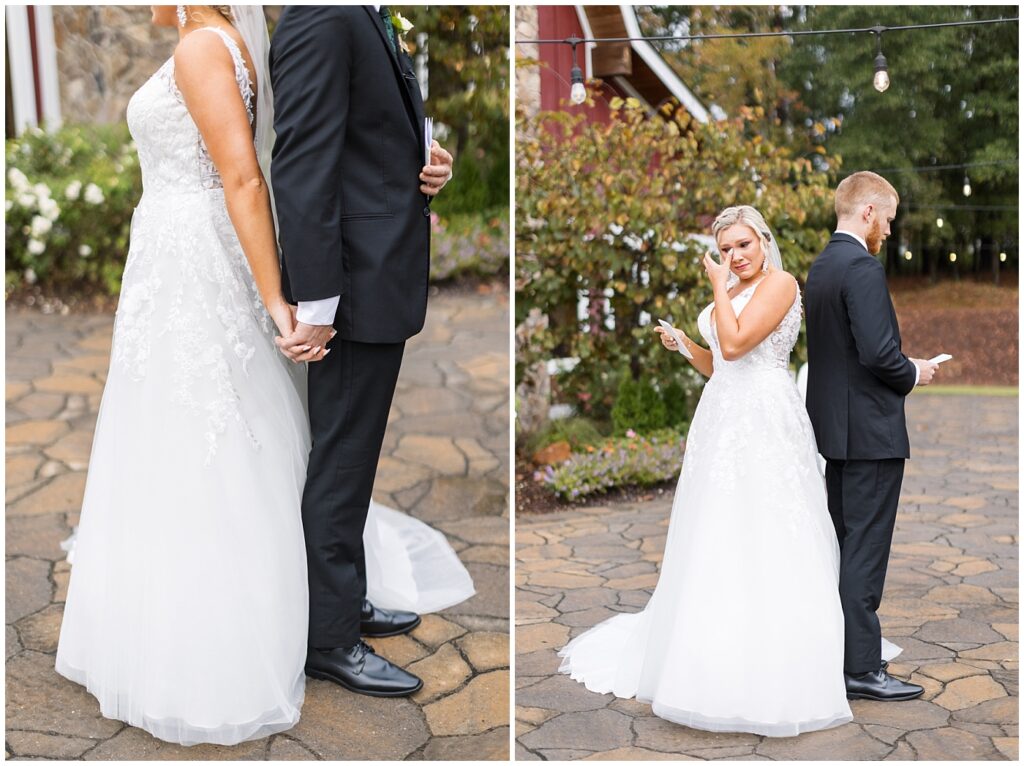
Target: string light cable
[(880, 80)]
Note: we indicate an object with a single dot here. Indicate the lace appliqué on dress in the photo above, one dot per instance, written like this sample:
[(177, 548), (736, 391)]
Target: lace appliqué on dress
[(187, 287)]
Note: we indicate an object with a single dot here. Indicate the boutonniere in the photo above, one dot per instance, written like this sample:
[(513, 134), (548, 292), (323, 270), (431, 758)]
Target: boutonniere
[(402, 27)]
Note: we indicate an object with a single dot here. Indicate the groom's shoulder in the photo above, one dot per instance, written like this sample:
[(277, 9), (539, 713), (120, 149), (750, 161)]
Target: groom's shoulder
[(323, 13)]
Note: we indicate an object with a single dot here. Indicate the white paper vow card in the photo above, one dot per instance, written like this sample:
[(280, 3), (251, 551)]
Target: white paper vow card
[(678, 338), (428, 138), (940, 358)]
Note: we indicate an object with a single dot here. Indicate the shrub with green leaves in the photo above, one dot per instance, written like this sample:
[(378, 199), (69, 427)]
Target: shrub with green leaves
[(69, 199), (632, 460), (638, 407), (611, 225)]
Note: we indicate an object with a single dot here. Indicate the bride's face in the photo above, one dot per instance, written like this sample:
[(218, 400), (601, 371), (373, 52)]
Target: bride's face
[(743, 244), (164, 15)]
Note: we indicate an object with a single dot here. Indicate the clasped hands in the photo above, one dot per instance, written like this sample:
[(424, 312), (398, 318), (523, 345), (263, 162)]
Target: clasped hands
[(298, 341)]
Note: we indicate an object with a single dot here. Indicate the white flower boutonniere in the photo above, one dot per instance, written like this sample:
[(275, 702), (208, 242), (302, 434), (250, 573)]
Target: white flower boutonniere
[(402, 27)]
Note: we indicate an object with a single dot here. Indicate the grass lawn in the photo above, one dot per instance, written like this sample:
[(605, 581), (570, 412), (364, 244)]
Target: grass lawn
[(940, 390)]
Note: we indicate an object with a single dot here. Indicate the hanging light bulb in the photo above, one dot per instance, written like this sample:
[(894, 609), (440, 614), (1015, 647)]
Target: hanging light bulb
[(1002, 257), (578, 91), (952, 257), (908, 255), (938, 222), (967, 186), (881, 80)]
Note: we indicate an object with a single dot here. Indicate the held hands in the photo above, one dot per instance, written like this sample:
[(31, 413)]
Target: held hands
[(298, 341), (926, 369), (435, 175), (718, 273)]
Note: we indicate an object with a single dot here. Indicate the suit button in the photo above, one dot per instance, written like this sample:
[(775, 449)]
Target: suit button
[(426, 212)]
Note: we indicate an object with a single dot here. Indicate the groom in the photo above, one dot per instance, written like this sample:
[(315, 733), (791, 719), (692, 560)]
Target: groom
[(857, 381), (353, 203)]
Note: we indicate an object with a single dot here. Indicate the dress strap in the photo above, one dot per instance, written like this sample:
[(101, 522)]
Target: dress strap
[(241, 70)]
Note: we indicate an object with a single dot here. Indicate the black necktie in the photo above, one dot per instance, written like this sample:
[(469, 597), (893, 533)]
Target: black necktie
[(385, 16)]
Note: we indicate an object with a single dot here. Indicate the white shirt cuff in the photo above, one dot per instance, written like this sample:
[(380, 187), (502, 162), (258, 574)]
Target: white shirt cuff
[(917, 372), (318, 312)]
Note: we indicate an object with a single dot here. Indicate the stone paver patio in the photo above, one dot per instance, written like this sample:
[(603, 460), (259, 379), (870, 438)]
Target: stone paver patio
[(445, 461), (951, 602)]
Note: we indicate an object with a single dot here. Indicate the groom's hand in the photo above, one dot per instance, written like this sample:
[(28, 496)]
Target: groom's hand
[(435, 175), (307, 342), (926, 371)]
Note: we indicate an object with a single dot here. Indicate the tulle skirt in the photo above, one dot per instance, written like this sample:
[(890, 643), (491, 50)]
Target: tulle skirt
[(744, 631)]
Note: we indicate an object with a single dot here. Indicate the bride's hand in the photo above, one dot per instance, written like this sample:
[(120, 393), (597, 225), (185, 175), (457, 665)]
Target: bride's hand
[(718, 273), (667, 340), (283, 314)]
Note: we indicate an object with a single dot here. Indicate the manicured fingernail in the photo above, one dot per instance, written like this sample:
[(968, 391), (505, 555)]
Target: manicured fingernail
[(306, 348), (327, 352), (316, 350)]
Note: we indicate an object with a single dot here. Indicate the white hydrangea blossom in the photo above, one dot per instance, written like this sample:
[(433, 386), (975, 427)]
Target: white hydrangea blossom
[(93, 194), (49, 208), (27, 199), (84, 250), (36, 248), (42, 190), (18, 179), (40, 226), (74, 190), (30, 276)]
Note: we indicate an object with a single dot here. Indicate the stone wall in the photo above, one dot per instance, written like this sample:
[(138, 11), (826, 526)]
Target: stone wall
[(527, 77), (105, 53)]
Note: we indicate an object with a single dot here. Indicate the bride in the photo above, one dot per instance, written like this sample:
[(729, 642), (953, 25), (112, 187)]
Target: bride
[(187, 608), (744, 631)]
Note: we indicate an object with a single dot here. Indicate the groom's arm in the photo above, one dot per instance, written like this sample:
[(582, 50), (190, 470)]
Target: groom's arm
[(310, 75), (866, 294)]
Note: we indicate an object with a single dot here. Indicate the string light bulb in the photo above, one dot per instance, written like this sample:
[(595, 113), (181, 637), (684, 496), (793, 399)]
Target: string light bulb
[(578, 91), (967, 186), (908, 255), (938, 222), (1002, 257), (881, 80), (952, 257)]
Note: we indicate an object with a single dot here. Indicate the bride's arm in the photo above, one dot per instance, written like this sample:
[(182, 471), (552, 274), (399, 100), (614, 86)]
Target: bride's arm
[(767, 308), (205, 75), (702, 360)]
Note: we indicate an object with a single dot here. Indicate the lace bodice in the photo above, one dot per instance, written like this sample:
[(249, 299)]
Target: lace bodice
[(172, 153), (772, 352)]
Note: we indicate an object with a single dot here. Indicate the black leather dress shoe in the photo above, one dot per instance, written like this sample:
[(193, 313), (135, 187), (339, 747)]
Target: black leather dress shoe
[(360, 670), (378, 623), (880, 686)]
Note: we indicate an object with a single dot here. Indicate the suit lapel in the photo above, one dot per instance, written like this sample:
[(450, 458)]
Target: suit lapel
[(410, 88)]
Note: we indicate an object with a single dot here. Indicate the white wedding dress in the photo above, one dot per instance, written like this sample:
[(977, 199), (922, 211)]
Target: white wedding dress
[(744, 631), (187, 608)]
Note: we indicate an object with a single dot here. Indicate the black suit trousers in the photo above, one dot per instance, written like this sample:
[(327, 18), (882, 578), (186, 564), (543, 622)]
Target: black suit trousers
[(350, 395), (863, 496)]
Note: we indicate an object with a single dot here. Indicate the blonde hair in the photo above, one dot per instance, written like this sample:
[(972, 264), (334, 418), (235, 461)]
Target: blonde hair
[(863, 188), (747, 216)]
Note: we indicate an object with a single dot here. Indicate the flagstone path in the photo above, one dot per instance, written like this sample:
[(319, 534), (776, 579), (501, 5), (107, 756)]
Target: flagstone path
[(445, 461), (951, 602)]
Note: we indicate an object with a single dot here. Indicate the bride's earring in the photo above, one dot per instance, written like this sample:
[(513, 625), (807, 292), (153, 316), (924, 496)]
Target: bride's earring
[(764, 252), (182, 17)]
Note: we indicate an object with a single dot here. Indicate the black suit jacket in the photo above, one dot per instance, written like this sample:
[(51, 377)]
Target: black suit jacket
[(857, 376), (345, 171)]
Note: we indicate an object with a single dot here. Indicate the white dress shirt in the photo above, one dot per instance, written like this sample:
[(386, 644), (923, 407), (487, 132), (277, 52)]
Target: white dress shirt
[(917, 370), (320, 312)]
